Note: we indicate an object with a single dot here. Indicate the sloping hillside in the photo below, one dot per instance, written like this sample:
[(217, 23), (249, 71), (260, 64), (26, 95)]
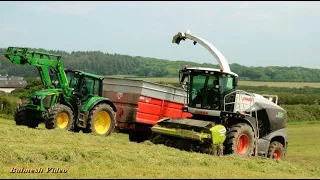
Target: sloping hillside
[(116, 64)]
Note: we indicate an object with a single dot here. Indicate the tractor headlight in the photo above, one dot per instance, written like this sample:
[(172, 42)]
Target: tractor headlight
[(36, 100)]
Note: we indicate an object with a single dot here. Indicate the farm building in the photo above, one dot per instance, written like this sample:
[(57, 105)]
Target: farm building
[(8, 84)]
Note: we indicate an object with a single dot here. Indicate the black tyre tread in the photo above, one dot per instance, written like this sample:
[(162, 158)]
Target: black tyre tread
[(20, 114), (231, 138), (90, 128), (273, 146), (50, 119)]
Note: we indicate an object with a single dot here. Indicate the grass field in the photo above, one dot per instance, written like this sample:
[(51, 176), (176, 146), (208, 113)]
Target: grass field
[(91, 156)]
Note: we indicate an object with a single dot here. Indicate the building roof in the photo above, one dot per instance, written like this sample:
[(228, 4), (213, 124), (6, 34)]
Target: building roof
[(12, 83)]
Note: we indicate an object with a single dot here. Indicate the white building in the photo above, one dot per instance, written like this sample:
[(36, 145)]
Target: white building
[(8, 84)]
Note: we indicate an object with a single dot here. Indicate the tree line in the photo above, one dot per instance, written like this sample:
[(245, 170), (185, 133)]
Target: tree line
[(116, 64)]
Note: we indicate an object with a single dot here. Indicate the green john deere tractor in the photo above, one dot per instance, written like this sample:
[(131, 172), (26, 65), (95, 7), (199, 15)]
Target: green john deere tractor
[(70, 100)]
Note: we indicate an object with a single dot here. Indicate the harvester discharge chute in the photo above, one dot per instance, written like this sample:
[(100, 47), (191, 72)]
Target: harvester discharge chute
[(224, 120)]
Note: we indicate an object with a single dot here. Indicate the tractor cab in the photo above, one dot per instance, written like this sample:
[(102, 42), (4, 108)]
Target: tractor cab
[(85, 85), (207, 87)]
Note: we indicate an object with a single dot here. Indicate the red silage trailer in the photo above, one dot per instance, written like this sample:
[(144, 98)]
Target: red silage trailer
[(140, 104)]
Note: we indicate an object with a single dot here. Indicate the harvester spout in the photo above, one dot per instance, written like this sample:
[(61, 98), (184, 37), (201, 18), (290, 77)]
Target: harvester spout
[(214, 51)]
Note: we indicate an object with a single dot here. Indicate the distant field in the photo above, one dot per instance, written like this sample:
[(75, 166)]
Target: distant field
[(243, 83), (91, 156)]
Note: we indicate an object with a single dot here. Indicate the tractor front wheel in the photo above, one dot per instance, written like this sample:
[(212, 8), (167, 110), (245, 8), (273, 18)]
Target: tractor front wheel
[(59, 116), (276, 150), (20, 114), (101, 120), (240, 140)]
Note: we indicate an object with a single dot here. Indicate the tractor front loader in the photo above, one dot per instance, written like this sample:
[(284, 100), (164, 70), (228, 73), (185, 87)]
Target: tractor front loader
[(224, 120), (70, 100)]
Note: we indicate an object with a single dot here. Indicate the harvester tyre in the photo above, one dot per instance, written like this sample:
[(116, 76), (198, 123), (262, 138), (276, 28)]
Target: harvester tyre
[(240, 140), (101, 120), (59, 116), (276, 150), (20, 115)]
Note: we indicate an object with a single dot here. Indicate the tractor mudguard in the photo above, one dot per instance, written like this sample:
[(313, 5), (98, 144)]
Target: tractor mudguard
[(93, 101), (264, 142)]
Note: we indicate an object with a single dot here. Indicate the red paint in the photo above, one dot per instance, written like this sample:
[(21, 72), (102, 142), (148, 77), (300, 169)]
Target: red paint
[(159, 109), (201, 112), (242, 144), (247, 99), (133, 108), (277, 154)]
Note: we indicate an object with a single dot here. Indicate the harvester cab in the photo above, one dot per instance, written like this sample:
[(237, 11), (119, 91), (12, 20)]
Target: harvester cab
[(70, 99), (224, 120)]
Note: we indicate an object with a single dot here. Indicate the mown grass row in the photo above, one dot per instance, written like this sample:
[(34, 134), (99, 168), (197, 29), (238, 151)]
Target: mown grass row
[(92, 156)]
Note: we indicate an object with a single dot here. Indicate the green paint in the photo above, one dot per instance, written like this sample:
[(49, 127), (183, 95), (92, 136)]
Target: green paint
[(86, 105), (218, 134), (280, 114), (53, 93)]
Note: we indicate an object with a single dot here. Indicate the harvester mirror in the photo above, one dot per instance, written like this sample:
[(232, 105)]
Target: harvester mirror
[(235, 81), (183, 80)]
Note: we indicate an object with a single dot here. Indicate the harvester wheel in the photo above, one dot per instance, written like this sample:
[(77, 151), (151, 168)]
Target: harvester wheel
[(59, 116), (276, 150), (240, 140), (20, 114), (101, 120)]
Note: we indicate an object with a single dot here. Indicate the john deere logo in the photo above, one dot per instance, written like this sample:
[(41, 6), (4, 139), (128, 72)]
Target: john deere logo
[(279, 115)]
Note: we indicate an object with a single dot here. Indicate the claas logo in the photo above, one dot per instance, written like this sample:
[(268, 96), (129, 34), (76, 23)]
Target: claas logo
[(202, 112), (246, 99)]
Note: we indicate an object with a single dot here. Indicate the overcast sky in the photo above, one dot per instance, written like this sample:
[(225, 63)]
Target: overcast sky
[(248, 33)]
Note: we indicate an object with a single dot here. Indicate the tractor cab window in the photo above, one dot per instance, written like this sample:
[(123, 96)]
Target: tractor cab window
[(90, 87), (73, 80), (96, 88)]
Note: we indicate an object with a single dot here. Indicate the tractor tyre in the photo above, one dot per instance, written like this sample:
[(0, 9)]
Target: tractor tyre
[(20, 115), (276, 150), (101, 120), (59, 116), (240, 140)]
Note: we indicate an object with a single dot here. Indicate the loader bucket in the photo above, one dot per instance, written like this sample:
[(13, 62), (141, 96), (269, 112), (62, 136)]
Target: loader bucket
[(192, 129)]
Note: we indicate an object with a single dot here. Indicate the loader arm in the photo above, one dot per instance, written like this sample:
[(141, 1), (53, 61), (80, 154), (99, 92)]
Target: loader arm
[(43, 61), (214, 51)]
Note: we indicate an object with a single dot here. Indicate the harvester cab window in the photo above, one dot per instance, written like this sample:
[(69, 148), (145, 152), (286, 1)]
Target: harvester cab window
[(226, 84), (205, 91)]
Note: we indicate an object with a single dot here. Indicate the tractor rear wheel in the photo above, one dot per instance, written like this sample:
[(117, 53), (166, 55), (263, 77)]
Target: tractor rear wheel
[(240, 140), (276, 150), (59, 116), (101, 120), (20, 114)]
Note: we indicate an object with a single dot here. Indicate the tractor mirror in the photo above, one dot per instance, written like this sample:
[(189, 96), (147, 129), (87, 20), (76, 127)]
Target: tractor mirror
[(77, 94)]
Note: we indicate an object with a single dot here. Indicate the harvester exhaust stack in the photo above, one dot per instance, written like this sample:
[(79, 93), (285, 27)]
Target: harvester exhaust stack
[(213, 50)]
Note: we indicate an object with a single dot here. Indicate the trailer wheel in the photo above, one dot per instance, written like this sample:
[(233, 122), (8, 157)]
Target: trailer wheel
[(59, 116), (240, 140), (20, 114), (276, 150), (101, 120)]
